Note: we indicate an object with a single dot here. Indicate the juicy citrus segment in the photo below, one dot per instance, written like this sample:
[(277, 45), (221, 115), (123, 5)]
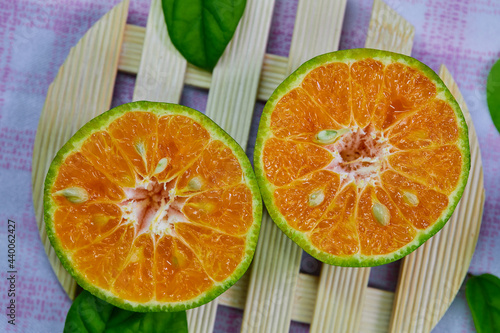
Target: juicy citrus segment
[(78, 182), (228, 210), (179, 275), (153, 207), (366, 82), (219, 253), (180, 141), (80, 225), (361, 156), (405, 90), (304, 201), (285, 161), (102, 262), (336, 234), (329, 86), (103, 154), (446, 163), (136, 135), (375, 238), (217, 167), (135, 282), (298, 117), (419, 204), (434, 125)]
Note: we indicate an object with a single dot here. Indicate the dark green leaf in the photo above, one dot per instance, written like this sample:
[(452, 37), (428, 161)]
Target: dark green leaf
[(493, 94), (89, 314), (201, 29), (483, 296)]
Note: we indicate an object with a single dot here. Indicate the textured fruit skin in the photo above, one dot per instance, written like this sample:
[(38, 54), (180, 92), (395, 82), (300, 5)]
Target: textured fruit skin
[(264, 133), (160, 109)]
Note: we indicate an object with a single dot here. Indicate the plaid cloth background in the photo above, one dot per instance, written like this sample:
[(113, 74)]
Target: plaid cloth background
[(35, 39)]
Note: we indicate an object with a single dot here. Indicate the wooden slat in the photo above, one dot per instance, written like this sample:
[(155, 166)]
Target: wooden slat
[(235, 79), (376, 311), (233, 93), (267, 302), (82, 89), (305, 297), (431, 276), (341, 296), (317, 30), (162, 69), (202, 319), (131, 52), (341, 293), (388, 30), (273, 72), (276, 267)]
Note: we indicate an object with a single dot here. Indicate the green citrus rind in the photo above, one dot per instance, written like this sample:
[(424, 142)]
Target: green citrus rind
[(264, 133), (160, 109)]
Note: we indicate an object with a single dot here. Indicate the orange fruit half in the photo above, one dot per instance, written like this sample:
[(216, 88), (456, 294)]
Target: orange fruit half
[(361, 156), (152, 206)]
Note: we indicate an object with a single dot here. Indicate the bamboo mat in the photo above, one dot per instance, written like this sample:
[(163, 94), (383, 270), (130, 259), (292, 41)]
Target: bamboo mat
[(273, 292)]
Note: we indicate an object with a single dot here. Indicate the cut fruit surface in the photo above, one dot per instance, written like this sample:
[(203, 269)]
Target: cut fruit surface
[(153, 207), (361, 156)]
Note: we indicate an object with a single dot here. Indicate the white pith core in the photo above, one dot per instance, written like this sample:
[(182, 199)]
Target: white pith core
[(153, 206), (359, 156)]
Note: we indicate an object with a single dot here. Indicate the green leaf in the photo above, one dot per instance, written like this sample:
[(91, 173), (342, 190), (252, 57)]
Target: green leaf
[(483, 296), (201, 29), (89, 314), (493, 94)]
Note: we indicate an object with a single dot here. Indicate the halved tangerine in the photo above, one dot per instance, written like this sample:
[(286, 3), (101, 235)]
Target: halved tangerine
[(361, 156), (152, 206)]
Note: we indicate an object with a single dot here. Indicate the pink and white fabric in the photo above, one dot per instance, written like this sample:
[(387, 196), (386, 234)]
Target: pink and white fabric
[(35, 39)]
